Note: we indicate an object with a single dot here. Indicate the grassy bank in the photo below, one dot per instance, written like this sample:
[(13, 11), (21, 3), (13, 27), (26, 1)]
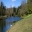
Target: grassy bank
[(24, 25)]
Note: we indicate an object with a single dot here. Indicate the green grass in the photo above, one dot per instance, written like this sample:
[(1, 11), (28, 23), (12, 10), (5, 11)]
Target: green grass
[(28, 16), (24, 25)]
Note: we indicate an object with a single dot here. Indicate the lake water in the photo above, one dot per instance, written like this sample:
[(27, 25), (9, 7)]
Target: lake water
[(8, 22)]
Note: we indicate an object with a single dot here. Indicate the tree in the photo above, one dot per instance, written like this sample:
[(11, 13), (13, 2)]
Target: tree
[(2, 9), (22, 9), (14, 10), (29, 6)]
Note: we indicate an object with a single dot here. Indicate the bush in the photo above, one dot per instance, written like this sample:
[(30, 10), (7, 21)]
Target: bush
[(26, 13)]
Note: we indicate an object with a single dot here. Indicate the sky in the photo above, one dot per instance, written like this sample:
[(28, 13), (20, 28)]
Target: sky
[(11, 3)]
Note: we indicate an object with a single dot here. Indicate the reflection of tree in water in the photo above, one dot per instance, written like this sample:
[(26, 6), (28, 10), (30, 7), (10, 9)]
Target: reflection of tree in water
[(2, 24)]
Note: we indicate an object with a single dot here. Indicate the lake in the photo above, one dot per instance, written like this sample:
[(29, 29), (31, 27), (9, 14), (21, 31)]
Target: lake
[(8, 22)]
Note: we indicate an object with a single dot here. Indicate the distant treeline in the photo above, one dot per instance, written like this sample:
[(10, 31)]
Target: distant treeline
[(23, 9)]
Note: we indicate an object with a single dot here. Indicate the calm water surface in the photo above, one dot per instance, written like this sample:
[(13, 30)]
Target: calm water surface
[(9, 20)]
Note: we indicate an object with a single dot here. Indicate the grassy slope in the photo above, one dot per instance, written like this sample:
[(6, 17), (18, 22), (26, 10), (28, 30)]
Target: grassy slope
[(24, 25)]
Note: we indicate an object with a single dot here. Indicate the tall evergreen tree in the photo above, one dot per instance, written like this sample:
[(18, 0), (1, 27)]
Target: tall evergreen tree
[(2, 9)]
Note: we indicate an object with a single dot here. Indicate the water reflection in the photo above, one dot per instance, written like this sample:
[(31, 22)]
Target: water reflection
[(2, 24)]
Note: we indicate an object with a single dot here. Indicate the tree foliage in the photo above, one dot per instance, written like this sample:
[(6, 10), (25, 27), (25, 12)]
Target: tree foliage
[(23, 9), (29, 6), (14, 10), (2, 9)]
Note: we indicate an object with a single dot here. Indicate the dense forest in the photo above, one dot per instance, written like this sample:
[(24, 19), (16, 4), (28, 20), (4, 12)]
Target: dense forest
[(23, 9)]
